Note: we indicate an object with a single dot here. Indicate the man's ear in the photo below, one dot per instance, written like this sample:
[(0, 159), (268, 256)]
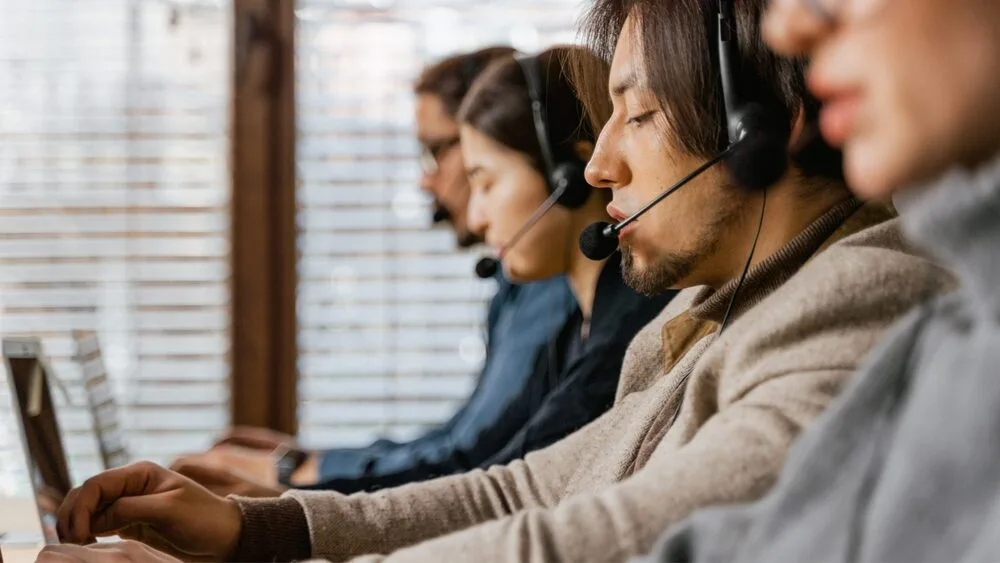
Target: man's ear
[(583, 150)]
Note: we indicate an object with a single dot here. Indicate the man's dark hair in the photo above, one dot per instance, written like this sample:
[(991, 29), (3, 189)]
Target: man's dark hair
[(451, 78), (678, 41), (499, 106)]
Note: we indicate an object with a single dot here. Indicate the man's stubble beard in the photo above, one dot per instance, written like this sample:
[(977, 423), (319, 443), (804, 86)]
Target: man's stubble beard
[(467, 239), (464, 238), (665, 270), (658, 276)]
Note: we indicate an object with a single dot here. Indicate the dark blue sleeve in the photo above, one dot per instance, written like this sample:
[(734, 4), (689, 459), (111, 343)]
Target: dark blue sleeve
[(521, 321), (455, 457)]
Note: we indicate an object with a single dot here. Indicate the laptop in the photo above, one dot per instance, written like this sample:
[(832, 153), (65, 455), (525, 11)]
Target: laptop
[(42, 441), (100, 400)]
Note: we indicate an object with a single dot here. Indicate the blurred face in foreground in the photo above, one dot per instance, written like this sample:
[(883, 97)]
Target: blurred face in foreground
[(910, 87)]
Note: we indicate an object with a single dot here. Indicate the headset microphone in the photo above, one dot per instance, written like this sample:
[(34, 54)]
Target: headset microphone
[(488, 266), (600, 240)]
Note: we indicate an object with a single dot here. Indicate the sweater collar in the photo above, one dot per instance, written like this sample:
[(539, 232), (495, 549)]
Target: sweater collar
[(766, 276), (956, 218)]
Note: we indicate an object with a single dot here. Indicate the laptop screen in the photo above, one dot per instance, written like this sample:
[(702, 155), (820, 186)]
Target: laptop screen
[(100, 400), (43, 447)]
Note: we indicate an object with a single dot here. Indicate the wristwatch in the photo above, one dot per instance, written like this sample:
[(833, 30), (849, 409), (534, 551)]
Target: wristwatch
[(286, 461)]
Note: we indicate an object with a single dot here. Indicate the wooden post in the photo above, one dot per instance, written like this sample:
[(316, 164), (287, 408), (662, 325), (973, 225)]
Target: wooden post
[(264, 256)]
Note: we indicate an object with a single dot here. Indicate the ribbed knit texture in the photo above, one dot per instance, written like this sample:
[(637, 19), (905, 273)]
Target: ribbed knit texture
[(273, 530), (770, 273)]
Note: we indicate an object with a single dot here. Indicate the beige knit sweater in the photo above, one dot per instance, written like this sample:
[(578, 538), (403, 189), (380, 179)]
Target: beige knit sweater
[(804, 320)]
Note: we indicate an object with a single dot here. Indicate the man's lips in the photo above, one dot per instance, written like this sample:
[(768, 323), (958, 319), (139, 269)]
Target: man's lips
[(618, 216), (838, 118), (841, 100)]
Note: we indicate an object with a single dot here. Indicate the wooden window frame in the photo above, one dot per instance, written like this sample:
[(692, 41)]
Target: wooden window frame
[(264, 258)]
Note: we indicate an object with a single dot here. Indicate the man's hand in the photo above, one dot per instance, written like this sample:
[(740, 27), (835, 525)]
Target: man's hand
[(223, 480), (146, 502), (256, 465), (256, 439), (120, 552)]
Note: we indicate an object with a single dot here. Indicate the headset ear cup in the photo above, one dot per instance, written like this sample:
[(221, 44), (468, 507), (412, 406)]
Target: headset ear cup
[(578, 190)]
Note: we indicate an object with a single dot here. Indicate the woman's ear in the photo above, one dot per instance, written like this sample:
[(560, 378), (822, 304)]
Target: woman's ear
[(583, 150)]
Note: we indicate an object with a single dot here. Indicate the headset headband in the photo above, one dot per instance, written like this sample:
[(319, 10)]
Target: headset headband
[(729, 55), (533, 78)]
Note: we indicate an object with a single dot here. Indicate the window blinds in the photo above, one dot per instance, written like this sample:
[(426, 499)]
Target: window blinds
[(390, 315), (114, 212)]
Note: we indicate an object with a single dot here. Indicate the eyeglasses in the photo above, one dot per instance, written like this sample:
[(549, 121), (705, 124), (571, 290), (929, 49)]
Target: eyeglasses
[(433, 151), (822, 9), (832, 11)]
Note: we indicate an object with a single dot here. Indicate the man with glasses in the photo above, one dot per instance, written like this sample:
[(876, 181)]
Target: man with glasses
[(432, 152), (439, 91), (521, 320)]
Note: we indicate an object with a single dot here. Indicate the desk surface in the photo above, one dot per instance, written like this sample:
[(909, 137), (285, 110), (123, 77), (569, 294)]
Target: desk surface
[(19, 516), (19, 554)]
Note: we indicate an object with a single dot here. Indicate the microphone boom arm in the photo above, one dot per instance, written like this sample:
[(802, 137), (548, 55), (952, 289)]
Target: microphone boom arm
[(612, 230), (534, 218)]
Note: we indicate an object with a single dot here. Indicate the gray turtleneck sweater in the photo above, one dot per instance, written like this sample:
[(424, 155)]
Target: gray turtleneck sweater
[(906, 466)]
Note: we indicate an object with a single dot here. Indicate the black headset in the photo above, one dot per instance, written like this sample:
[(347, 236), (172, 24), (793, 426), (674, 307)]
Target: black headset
[(567, 175), (763, 156)]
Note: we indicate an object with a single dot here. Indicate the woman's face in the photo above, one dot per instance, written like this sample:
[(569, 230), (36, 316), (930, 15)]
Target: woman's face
[(910, 87), (505, 190)]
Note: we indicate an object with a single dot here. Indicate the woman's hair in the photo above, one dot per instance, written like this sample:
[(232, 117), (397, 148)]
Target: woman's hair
[(451, 78), (677, 40), (499, 106)]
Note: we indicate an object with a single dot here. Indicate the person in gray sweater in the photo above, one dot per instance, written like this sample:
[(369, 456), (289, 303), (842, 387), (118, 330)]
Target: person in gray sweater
[(906, 465)]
